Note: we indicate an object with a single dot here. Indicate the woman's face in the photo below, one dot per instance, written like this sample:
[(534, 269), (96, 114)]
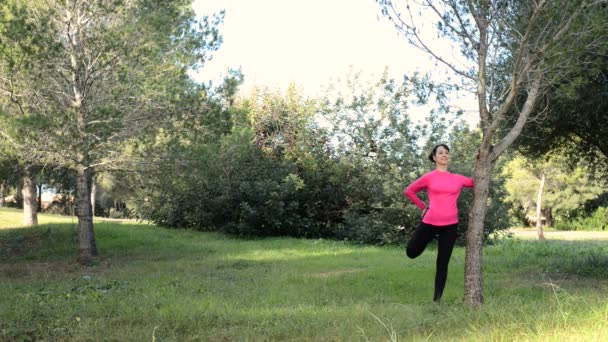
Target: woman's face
[(442, 156)]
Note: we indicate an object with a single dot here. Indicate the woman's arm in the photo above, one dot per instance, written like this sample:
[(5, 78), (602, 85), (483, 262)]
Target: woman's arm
[(468, 182), (411, 191)]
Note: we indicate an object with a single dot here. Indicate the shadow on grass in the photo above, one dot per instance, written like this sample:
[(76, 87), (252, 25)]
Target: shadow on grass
[(51, 250)]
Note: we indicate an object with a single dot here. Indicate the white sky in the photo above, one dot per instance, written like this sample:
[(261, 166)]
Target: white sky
[(310, 42)]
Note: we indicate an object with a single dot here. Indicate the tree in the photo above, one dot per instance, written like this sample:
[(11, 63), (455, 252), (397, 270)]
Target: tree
[(8, 166), (575, 129), (550, 185), (526, 181), (577, 120), (30, 196), (508, 53), (90, 76), (13, 171)]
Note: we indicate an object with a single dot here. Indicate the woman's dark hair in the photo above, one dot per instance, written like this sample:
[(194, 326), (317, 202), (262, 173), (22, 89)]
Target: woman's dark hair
[(434, 151)]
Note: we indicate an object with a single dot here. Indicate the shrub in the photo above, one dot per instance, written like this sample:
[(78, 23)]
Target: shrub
[(598, 220), (116, 214)]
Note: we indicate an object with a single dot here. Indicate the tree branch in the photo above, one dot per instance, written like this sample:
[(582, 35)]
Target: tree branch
[(508, 139), (411, 34), (463, 33)]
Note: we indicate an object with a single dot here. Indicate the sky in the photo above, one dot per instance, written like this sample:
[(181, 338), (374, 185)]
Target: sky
[(311, 43)]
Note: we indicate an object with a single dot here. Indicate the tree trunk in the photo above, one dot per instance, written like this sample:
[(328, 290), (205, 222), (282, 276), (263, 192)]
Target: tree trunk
[(19, 196), (548, 213), (473, 285), (539, 202), (86, 235), (39, 187), (30, 212), (85, 216), (2, 190), (93, 194), (93, 190)]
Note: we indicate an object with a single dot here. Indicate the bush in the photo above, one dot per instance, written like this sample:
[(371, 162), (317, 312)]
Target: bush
[(116, 214), (379, 227), (278, 173), (55, 208), (597, 221)]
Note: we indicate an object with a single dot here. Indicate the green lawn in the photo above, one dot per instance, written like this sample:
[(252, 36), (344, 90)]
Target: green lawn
[(153, 284)]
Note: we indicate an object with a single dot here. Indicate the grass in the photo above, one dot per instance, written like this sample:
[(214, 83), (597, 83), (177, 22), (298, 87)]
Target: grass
[(153, 284), (554, 234)]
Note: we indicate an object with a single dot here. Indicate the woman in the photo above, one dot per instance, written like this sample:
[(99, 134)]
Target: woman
[(440, 217)]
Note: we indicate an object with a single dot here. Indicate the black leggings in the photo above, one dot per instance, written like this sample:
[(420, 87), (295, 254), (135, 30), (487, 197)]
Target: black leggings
[(446, 237)]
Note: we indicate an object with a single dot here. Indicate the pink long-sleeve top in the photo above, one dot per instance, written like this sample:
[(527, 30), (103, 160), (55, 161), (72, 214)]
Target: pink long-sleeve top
[(443, 189)]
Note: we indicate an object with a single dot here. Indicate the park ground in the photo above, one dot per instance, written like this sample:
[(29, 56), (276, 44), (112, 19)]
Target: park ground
[(155, 284)]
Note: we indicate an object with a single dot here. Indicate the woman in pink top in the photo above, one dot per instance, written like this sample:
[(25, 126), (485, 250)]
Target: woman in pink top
[(440, 217)]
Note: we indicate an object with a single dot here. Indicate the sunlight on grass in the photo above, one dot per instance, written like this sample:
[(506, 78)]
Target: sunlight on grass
[(289, 254), (13, 218)]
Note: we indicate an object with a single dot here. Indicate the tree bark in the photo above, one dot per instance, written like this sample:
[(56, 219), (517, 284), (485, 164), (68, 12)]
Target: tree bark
[(30, 212), (93, 190), (39, 187), (93, 195), (473, 284), (539, 202), (86, 238)]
